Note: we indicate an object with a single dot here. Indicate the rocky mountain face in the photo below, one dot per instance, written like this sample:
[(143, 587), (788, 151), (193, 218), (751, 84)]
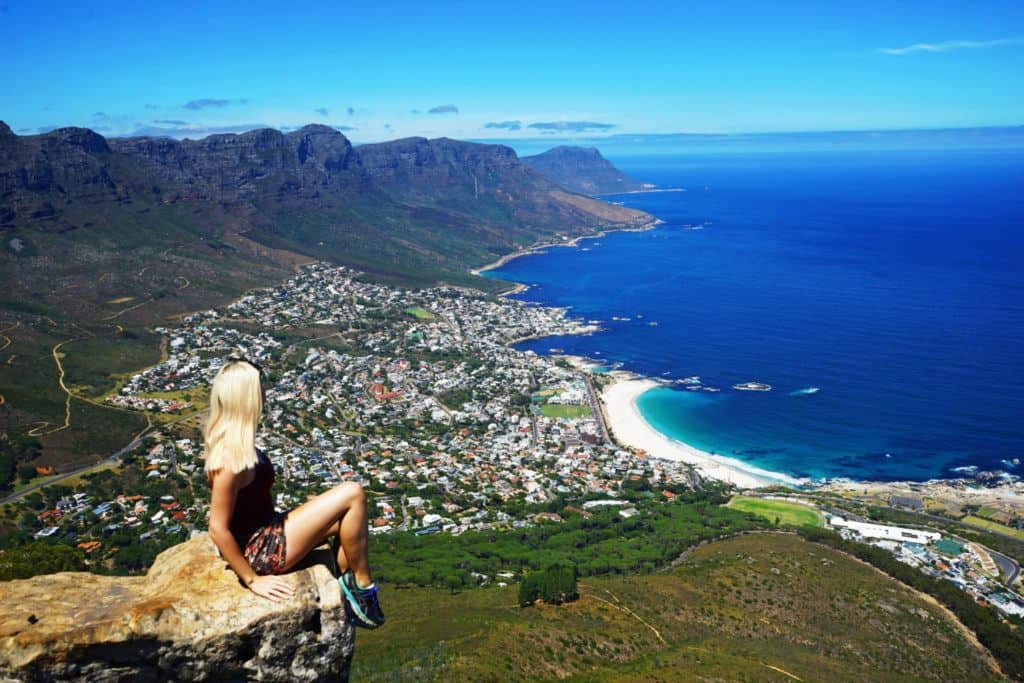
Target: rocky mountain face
[(232, 168), (582, 169), (415, 208), (41, 175), (105, 238), (36, 171), (188, 619), (474, 179)]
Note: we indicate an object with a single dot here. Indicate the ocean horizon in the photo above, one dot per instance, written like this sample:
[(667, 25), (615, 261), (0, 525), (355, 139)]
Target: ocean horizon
[(877, 293)]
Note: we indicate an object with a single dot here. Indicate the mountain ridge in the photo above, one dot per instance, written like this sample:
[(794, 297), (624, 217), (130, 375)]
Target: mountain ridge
[(310, 191), (582, 170), (102, 238)]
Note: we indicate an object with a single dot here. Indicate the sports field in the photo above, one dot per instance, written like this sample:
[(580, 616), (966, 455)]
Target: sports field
[(778, 511), (421, 313), (993, 526), (570, 411)]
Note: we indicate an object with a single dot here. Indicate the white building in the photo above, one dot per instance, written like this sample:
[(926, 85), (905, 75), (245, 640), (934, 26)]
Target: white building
[(887, 533)]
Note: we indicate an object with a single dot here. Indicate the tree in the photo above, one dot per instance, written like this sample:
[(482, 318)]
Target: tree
[(453, 583), (26, 472), (38, 558), (554, 585)]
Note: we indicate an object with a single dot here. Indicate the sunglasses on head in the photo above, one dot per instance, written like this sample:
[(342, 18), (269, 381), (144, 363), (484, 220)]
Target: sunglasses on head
[(239, 359)]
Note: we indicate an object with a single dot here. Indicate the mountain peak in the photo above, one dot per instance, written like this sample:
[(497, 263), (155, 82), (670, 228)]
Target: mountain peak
[(5, 130), (86, 139), (582, 169), (315, 129), (574, 150)]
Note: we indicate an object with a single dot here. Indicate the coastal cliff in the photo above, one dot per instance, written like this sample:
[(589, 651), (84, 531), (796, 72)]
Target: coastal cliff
[(188, 619), (583, 170)]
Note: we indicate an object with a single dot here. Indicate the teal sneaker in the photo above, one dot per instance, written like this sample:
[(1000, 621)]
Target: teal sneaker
[(362, 603)]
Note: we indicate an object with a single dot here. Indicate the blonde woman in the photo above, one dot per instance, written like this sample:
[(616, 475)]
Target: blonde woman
[(257, 541)]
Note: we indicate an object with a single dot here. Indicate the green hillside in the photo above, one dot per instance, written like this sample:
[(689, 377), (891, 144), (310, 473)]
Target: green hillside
[(778, 512), (754, 607)]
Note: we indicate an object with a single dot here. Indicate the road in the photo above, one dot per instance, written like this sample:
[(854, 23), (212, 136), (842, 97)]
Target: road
[(1007, 565), (406, 517), (595, 407), (112, 459)]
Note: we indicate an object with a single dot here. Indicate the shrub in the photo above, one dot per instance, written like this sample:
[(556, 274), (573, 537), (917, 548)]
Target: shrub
[(554, 585), (38, 558)]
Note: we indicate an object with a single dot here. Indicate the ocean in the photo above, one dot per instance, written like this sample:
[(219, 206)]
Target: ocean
[(893, 282)]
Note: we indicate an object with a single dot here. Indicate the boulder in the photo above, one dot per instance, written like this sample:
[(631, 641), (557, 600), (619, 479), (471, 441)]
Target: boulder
[(187, 619)]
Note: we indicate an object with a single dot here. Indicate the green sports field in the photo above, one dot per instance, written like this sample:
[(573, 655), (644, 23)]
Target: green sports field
[(570, 411), (993, 526), (421, 313), (787, 514)]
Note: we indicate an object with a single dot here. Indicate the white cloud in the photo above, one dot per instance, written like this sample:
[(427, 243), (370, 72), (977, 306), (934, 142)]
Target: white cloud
[(947, 46)]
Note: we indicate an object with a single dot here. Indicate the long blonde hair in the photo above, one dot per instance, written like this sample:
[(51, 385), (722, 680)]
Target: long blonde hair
[(236, 404)]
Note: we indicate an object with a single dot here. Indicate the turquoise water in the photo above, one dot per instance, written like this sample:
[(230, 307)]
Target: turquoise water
[(890, 281)]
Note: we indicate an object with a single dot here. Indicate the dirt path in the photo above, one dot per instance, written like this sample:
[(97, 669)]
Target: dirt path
[(625, 610), (42, 427), (125, 310), (42, 430), (4, 338), (6, 341), (782, 671)]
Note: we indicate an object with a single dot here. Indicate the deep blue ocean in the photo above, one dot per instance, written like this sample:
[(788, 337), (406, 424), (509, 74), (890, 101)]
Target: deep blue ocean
[(892, 281)]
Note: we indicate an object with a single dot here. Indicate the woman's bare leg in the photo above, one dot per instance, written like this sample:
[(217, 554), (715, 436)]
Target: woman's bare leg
[(341, 510), (341, 560)]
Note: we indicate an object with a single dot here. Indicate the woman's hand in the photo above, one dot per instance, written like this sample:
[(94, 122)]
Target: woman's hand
[(272, 587)]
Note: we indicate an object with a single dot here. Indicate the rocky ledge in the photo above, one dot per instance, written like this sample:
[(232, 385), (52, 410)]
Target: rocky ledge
[(188, 619)]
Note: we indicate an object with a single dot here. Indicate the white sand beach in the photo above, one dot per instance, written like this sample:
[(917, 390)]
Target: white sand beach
[(630, 429)]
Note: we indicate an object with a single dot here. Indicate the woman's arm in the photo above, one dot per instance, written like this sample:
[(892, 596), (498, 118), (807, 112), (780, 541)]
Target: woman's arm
[(222, 506)]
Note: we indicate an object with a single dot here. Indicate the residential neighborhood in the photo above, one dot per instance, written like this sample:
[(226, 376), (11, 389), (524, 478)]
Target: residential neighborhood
[(419, 396), (415, 394)]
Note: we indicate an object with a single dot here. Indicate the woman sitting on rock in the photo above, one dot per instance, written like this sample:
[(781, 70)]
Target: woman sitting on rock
[(257, 541)]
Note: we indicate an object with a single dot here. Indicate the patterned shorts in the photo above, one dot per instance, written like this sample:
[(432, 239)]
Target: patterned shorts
[(265, 549)]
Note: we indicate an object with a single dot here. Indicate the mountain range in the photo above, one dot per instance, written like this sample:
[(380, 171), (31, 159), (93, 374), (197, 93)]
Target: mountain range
[(413, 208), (102, 238)]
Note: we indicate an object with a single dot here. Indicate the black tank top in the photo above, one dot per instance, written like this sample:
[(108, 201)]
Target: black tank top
[(254, 506)]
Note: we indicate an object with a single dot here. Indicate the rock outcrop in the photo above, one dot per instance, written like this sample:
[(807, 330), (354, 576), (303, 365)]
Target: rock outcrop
[(248, 166), (583, 170), (188, 619)]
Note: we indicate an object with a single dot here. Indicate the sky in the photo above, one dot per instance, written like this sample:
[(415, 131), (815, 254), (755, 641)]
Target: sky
[(507, 71)]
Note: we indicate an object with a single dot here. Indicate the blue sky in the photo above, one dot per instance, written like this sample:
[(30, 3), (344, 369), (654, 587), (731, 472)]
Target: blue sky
[(390, 69)]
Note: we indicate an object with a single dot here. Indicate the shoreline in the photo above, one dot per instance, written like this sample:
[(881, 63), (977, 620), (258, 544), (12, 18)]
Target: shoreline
[(539, 248), (630, 429), (652, 190)]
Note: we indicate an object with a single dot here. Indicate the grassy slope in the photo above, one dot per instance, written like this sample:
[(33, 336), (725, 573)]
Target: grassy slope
[(732, 611), (993, 526), (101, 269), (791, 514), (74, 298)]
